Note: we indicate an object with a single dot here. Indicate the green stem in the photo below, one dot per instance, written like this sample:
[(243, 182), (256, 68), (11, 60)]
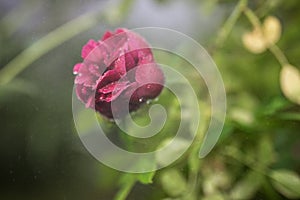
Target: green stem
[(125, 189), (279, 55), (45, 44), (57, 37), (254, 20), (230, 22)]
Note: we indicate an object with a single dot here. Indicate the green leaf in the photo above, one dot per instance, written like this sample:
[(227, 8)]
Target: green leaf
[(286, 182), (247, 187), (275, 105), (146, 178), (173, 182)]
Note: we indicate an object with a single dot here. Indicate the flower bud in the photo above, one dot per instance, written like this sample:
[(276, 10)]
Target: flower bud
[(120, 67)]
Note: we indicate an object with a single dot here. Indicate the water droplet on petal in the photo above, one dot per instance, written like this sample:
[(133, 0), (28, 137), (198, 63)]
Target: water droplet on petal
[(141, 100), (76, 68)]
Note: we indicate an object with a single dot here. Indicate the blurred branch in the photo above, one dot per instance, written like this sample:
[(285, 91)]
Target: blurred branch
[(125, 188), (254, 20), (230, 22), (45, 44), (276, 51), (56, 38)]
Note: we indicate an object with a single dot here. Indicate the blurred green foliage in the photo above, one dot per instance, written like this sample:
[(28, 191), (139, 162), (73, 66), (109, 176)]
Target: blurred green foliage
[(257, 156)]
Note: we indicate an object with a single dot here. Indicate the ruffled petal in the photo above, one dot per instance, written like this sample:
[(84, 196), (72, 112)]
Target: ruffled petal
[(107, 78), (76, 68), (88, 47)]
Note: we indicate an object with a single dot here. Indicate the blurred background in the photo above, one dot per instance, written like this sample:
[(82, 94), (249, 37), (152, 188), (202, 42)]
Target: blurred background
[(42, 157)]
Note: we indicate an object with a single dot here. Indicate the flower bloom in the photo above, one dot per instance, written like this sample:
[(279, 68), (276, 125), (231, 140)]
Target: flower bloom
[(118, 68)]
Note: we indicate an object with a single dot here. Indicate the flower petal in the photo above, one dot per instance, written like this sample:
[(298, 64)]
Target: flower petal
[(112, 91), (149, 73), (119, 65), (76, 68), (108, 77), (88, 47)]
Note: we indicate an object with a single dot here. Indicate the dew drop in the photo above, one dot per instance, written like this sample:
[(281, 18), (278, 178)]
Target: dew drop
[(141, 100), (75, 72)]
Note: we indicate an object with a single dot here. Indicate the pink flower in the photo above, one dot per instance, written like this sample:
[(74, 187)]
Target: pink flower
[(118, 68)]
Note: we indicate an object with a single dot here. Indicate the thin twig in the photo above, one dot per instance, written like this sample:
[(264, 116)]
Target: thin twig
[(56, 38), (230, 22), (276, 51), (254, 20), (125, 189), (45, 44)]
